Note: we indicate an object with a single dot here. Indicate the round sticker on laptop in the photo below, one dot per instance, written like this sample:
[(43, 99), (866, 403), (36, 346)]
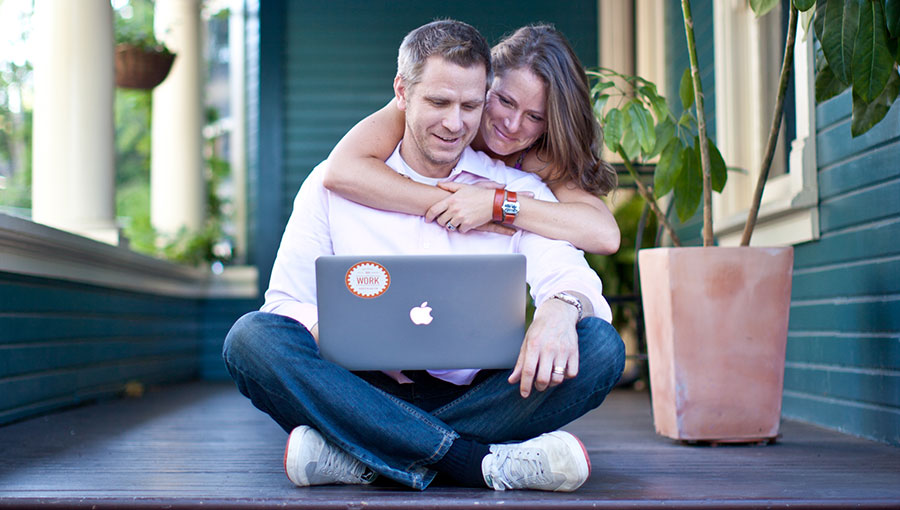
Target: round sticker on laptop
[(368, 279)]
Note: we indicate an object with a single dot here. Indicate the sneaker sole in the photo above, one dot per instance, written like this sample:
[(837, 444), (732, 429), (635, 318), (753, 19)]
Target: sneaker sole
[(290, 448), (569, 438)]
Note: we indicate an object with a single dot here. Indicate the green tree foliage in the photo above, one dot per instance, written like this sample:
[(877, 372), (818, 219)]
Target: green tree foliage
[(133, 148), (859, 50), (15, 127)]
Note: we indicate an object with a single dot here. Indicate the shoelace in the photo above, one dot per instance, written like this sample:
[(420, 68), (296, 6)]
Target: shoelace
[(514, 468), (342, 466)]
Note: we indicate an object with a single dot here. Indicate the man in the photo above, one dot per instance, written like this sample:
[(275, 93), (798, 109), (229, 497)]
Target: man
[(351, 427)]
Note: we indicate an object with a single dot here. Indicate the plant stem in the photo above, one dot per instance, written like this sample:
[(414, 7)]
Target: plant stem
[(786, 66), (701, 124), (648, 197)]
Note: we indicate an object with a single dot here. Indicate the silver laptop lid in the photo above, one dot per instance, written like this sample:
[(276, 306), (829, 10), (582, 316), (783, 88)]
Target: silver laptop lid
[(418, 312)]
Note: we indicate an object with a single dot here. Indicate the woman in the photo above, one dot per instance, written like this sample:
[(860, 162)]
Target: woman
[(538, 117)]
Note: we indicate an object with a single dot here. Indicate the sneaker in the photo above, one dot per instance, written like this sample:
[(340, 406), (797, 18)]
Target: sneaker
[(311, 460), (555, 461)]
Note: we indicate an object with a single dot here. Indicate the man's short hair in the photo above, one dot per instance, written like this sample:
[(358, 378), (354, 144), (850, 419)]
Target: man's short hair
[(455, 41)]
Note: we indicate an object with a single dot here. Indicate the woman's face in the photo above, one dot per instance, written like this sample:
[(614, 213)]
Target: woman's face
[(515, 114)]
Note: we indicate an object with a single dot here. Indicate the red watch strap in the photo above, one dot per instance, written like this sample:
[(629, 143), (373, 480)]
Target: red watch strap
[(511, 196), (498, 204)]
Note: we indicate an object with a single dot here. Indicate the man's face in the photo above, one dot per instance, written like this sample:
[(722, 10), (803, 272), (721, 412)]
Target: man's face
[(443, 112)]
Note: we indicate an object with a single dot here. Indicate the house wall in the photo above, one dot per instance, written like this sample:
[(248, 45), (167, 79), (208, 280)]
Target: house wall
[(340, 59), (64, 343), (326, 65), (843, 353)]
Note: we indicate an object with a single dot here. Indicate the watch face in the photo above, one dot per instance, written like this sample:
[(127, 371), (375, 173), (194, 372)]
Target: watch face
[(511, 208)]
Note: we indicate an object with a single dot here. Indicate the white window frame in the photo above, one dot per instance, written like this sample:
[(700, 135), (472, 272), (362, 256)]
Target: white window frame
[(747, 64)]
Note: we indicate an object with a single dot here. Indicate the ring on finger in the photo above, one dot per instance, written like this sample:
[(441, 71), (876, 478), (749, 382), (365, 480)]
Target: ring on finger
[(559, 371), (450, 227)]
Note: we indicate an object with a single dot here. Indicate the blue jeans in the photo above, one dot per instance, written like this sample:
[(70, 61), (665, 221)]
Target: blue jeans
[(399, 430)]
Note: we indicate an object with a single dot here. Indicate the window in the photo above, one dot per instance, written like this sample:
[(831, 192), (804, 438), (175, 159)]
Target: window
[(748, 61)]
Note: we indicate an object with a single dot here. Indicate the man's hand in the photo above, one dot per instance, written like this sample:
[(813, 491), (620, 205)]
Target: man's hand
[(467, 208), (470, 207), (551, 341)]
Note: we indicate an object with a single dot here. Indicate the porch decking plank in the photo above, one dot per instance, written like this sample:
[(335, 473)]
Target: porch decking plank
[(202, 444)]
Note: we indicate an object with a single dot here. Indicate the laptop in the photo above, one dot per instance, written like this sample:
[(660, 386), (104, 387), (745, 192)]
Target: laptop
[(421, 312)]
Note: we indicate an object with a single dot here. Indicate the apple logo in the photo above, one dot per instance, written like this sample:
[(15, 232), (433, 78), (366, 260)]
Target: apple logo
[(421, 315)]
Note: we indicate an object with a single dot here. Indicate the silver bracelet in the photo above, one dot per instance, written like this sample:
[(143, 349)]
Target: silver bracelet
[(572, 300)]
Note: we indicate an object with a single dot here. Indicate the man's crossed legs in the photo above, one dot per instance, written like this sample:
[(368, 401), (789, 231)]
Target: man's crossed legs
[(358, 425)]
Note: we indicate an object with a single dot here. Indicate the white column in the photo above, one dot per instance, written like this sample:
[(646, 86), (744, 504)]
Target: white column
[(177, 192), (615, 22), (238, 108), (73, 183)]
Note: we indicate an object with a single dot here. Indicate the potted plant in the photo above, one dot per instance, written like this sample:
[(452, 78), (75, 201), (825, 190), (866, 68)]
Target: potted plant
[(717, 318), (142, 62)]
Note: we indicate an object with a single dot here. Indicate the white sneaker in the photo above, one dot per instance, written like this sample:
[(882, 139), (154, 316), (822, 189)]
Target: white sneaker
[(555, 461), (311, 460)]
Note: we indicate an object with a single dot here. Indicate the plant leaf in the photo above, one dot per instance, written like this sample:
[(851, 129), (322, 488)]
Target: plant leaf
[(873, 63), (761, 7), (893, 45), (839, 36), (804, 5), (686, 90), (718, 170), (665, 132), (866, 115), (631, 146), (657, 102), (612, 129), (641, 125), (600, 104), (827, 84), (660, 108), (892, 17), (688, 186), (819, 20), (600, 86), (668, 168)]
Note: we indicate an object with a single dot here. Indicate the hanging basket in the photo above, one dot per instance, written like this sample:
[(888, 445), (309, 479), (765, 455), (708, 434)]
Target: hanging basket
[(140, 68)]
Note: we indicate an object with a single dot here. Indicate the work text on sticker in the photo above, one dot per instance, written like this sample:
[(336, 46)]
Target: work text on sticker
[(368, 279)]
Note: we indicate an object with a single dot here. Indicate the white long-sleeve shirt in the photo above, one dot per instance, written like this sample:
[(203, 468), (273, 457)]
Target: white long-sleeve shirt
[(324, 223)]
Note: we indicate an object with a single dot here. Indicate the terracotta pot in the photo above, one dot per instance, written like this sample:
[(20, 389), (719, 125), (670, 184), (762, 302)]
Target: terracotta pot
[(717, 321)]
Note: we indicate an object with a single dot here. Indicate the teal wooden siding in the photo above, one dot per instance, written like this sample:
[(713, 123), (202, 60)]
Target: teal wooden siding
[(64, 343), (340, 61), (216, 318), (843, 355)]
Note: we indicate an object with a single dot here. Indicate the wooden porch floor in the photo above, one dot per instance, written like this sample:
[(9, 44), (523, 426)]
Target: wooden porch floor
[(203, 445)]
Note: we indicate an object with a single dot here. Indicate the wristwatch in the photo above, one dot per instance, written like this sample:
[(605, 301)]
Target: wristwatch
[(510, 207), (499, 195), (572, 300)]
